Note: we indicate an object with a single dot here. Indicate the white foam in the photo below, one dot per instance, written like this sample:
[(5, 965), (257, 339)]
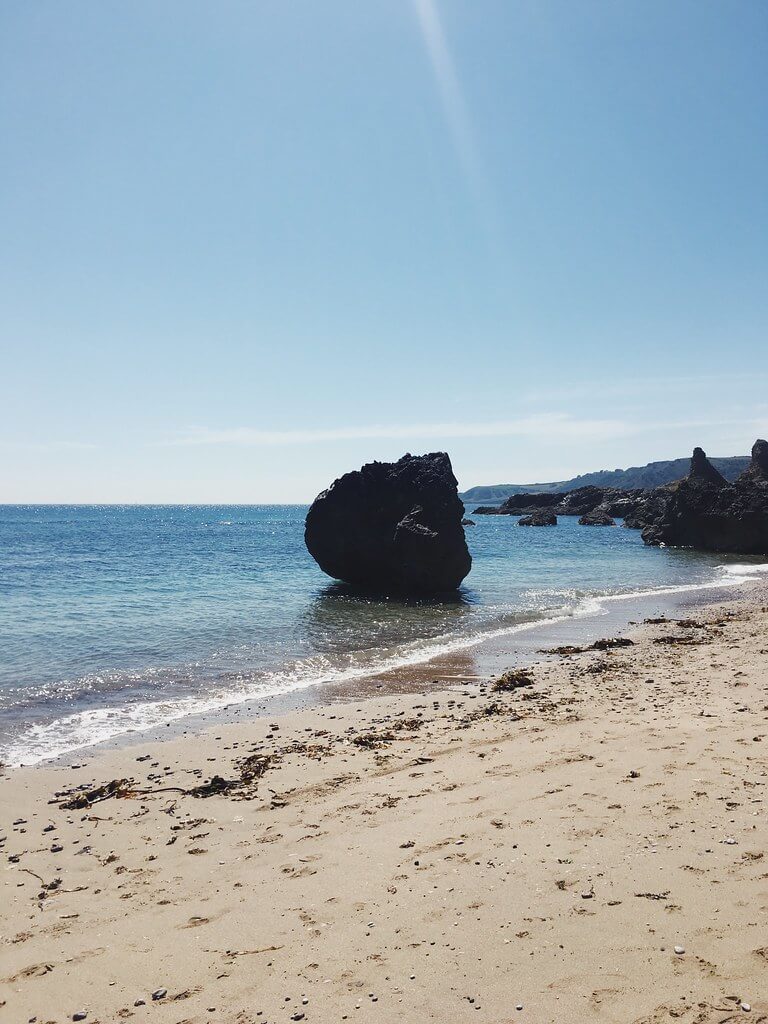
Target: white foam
[(45, 742)]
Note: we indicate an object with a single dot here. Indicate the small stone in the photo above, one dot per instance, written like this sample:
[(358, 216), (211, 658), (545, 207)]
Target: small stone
[(80, 1015), (159, 993), (729, 841), (587, 895), (57, 848), (679, 950), (140, 1002), (746, 1007), (519, 1006)]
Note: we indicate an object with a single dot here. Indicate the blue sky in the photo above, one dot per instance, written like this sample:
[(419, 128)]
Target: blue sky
[(247, 246)]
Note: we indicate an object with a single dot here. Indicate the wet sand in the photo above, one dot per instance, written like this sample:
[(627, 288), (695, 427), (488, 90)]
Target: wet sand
[(589, 846)]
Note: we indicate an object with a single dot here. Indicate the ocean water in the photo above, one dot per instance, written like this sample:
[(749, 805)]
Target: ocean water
[(120, 618)]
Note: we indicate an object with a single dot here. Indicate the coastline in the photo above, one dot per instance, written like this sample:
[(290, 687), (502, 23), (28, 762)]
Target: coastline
[(429, 853), (458, 660)]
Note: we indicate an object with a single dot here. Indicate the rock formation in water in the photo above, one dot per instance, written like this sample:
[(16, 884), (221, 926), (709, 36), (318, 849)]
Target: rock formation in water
[(649, 509), (705, 511), (541, 517), (757, 471), (523, 504), (598, 517), (585, 499), (392, 527), (572, 503), (703, 471), (647, 478)]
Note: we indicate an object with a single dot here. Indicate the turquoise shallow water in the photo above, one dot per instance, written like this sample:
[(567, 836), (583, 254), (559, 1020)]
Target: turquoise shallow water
[(120, 618)]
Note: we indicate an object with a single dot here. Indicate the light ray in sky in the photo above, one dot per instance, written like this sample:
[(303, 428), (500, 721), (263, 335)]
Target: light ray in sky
[(451, 95)]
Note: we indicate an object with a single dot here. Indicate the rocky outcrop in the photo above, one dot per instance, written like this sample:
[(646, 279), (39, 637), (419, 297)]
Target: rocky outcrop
[(523, 504), (649, 509), (757, 471), (647, 478), (573, 503), (702, 470), (583, 500), (541, 517), (393, 527), (705, 511), (598, 517)]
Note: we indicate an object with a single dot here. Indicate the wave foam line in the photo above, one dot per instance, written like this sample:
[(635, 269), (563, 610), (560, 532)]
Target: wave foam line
[(89, 728)]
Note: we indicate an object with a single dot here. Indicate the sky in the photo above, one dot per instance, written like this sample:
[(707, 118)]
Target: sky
[(247, 246)]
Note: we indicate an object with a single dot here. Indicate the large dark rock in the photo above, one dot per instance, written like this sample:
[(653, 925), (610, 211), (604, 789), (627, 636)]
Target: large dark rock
[(705, 511), (541, 517), (392, 526)]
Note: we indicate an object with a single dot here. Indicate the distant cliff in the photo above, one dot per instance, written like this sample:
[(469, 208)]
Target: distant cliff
[(653, 475)]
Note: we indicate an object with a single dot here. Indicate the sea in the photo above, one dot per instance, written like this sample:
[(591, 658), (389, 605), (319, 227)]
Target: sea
[(115, 620)]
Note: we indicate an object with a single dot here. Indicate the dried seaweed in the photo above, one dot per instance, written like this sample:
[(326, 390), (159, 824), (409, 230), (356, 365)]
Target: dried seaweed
[(678, 641), (89, 797), (606, 644), (512, 679)]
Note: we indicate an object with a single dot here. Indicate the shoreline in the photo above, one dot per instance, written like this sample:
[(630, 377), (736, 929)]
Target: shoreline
[(426, 855), (462, 659)]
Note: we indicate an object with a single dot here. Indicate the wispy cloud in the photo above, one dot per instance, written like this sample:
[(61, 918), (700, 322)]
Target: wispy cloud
[(546, 427)]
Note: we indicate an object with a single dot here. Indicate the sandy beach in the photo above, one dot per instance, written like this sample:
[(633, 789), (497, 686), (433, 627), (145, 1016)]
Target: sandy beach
[(588, 844)]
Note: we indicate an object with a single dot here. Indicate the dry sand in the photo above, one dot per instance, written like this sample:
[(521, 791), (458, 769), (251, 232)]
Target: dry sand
[(532, 855)]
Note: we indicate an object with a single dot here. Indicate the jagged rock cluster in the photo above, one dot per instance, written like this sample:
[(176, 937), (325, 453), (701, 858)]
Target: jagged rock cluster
[(608, 501), (705, 511), (392, 527), (702, 511)]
